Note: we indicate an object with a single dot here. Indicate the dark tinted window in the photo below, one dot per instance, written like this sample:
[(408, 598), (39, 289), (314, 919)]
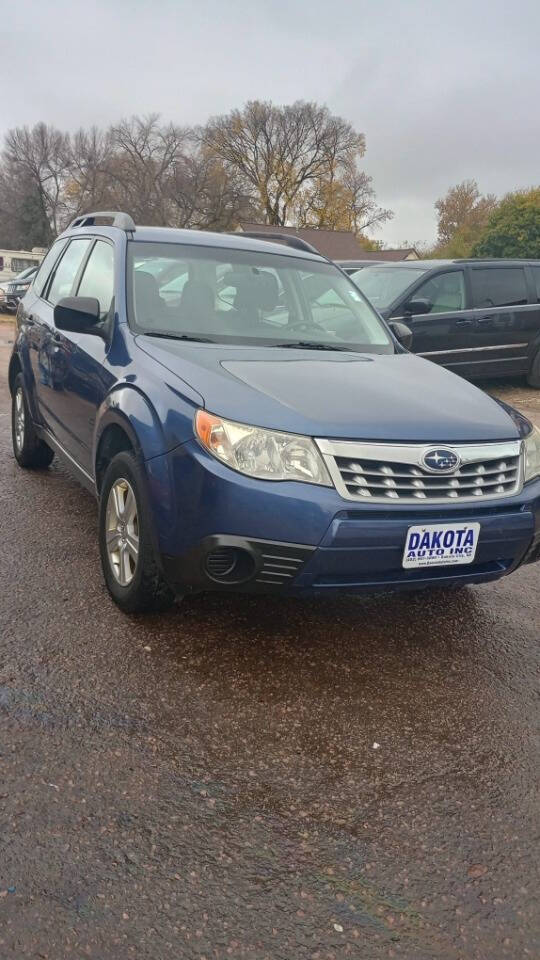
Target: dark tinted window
[(536, 277), (46, 266), (66, 271), (499, 287), (98, 277)]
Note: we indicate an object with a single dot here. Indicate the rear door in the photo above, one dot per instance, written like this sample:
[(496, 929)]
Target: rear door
[(445, 332), (507, 322), (83, 379), (37, 321), (51, 356)]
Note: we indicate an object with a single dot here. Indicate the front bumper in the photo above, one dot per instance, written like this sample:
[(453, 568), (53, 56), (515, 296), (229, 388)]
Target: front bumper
[(9, 302), (301, 538)]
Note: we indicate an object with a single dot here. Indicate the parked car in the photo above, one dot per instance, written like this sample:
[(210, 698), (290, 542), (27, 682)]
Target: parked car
[(13, 291), (259, 428), (479, 318), (351, 266)]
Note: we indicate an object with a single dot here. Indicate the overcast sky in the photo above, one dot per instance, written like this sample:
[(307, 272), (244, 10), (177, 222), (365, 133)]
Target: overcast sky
[(442, 91)]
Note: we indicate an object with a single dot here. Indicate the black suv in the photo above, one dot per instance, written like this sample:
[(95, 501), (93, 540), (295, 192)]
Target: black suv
[(480, 318)]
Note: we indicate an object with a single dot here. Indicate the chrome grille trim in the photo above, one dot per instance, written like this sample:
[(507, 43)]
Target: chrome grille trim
[(393, 473)]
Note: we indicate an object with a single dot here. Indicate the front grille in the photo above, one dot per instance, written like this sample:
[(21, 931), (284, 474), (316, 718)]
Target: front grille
[(390, 472)]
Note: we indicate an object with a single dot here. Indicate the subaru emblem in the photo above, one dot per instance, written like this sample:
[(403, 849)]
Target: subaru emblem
[(440, 460)]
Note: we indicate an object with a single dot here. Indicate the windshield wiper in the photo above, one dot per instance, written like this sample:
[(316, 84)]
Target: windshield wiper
[(310, 345), (177, 336)]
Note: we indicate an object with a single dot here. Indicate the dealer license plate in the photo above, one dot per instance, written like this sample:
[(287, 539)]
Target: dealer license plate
[(440, 544)]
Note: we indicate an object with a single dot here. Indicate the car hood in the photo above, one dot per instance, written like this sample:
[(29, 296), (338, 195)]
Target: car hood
[(344, 395)]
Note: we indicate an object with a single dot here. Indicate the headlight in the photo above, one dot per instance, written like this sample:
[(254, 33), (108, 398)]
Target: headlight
[(265, 454), (532, 455)]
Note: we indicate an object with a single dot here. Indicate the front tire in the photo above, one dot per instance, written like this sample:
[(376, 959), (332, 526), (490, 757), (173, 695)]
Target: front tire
[(30, 452), (533, 377), (130, 568)]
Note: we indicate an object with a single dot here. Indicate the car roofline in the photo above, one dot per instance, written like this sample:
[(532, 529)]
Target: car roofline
[(435, 264), (201, 238)]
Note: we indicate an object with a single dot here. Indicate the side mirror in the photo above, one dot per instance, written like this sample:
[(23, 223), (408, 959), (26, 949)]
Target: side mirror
[(417, 306), (402, 332), (78, 315)]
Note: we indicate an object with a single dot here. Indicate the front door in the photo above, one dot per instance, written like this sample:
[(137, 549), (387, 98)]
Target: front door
[(443, 333)]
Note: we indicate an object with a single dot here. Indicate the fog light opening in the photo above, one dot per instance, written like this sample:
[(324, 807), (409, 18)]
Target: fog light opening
[(229, 565)]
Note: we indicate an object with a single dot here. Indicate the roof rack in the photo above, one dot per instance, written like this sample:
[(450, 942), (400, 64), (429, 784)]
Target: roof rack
[(121, 220), (286, 238)]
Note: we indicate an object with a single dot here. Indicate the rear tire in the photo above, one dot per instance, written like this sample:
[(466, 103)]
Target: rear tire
[(30, 452), (132, 575), (533, 377)]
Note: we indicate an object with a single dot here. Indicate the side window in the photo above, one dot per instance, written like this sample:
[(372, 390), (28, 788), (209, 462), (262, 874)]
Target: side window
[(536, 278), (46, 266), (66, 271), (98, 277), (445, 292), (499, 287)]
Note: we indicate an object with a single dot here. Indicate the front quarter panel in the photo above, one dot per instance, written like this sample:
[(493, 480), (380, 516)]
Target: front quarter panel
[(156, 421)]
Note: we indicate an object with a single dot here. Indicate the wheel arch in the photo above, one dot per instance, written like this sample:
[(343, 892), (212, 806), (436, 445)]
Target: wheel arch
[(116, 437), (126, 421)]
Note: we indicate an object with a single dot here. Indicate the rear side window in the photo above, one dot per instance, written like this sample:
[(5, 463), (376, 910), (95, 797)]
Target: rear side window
[(499, 287), (98, 277), (46, 266), (66, 271), (445, 292), (536, 278)]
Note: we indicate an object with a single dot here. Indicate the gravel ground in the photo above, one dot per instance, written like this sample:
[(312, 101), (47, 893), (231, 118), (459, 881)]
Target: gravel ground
[(258, 778)]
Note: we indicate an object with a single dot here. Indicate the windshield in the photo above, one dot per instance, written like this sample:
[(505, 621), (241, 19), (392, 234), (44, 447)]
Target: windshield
[(26, 273), (233, 296), (382, 285)]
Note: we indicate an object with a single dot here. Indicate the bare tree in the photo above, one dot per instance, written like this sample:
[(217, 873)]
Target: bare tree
[(207, 196), (90, 185), (295, 162), (143, 166), (280, 151), (41, 157)]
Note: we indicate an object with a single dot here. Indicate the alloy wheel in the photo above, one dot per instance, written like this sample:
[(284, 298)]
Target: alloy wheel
[(122, 531), (19, 423)]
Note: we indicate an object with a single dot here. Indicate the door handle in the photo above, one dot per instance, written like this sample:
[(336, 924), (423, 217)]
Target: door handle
[(464, 323), (485, 320)]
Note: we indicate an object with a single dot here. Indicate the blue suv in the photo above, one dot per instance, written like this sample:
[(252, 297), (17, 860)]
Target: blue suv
[(248, 422)]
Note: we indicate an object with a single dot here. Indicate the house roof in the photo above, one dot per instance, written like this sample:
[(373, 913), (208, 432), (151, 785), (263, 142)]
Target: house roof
[(402, 253), (335, 244)]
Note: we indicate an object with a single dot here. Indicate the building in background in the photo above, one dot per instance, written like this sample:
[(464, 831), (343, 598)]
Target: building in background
[(13, 262), (340, 245)]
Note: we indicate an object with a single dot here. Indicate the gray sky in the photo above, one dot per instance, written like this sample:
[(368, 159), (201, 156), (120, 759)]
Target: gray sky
[(443, 91)]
